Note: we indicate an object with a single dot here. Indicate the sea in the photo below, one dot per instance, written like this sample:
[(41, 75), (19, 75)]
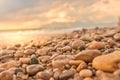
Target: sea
[(23, 36)]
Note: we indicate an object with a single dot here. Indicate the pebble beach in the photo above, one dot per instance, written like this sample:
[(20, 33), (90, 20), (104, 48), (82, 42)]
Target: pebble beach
[(85, 54)]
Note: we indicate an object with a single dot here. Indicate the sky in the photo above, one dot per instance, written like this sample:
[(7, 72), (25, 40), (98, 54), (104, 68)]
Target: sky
[(26, 14)]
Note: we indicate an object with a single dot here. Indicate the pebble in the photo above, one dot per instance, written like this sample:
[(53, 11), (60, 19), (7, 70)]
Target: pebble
[(77, 77), (44, 59), (75, 62), (78, 44), (85, 73), (106, 76), (6, 75), (65, 42), (29, 51), (87, 79), (57, 73), (66, 74), (117, 72), (43, 75), (108, 62), (66, 48), (61, 60), (86, 38), (6, 52), (110, 33), (111, 42), (2, 69), (96, 45), (97, 37), (33, 69), (24, 60), (87, 55), (9, 64), (19, 54), (117, 36), (34, 59), (81, 66), (42, 51)]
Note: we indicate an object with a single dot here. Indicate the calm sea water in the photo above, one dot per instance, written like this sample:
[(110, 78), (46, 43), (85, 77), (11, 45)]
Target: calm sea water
[(8, 38)]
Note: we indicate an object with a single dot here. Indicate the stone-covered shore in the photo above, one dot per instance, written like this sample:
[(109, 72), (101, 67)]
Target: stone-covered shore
[(87, 54)]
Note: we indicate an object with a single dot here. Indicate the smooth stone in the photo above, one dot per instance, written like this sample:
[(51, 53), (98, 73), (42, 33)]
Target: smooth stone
[(96, 45), (108, 62), (66, 48), (97, 37), (43, 75), (110, 33), (34, 59), (87, 55), (65, 42), (86, 38), (117, 72), (117, 36), (29, 51), (67, 74), (77, 76), (6, 75), (6, 52), (9, 64), (56, 74), (19, 54), (106, 76), (81, 66), (42, 51), (24, 60), (88, 78), (85, 73), (44, 59), (33, 69), (61, 60), (78, 44)]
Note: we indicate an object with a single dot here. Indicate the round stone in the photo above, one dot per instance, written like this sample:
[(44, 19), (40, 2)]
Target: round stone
[(78, 44), (33, 69), (85, 73)]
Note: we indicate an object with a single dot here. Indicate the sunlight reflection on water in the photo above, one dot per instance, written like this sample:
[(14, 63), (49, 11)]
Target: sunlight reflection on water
[(9, 38)]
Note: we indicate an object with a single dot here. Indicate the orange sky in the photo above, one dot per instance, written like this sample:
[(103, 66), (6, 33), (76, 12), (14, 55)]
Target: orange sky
[(25, 14)]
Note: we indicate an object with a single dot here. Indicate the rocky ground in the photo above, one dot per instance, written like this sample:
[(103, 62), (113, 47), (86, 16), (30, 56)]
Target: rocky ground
[(87, 54)]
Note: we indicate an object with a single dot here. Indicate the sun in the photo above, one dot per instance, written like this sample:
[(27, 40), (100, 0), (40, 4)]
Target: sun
[(62, 14)]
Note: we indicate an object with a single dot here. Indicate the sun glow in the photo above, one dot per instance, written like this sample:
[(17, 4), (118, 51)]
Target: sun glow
[(62, 14)]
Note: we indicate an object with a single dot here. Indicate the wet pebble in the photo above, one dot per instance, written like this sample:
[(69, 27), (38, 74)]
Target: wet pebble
[(24, 60), (19, 54), (87, 55), (61, 60), (78, 44), (6, 75), (9, 64), (108, 62), (42, 51), (67, 74), (85, 73), (96, 45), (29, 51), (34, 59), (43, 75), (117, 36), (33, 69), (6, 52)]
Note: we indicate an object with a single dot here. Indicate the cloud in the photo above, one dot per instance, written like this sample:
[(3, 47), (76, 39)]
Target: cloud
[(37, 13)]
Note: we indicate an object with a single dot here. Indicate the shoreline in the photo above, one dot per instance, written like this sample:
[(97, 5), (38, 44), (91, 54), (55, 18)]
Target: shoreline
[(17, 37), (86, 54)]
